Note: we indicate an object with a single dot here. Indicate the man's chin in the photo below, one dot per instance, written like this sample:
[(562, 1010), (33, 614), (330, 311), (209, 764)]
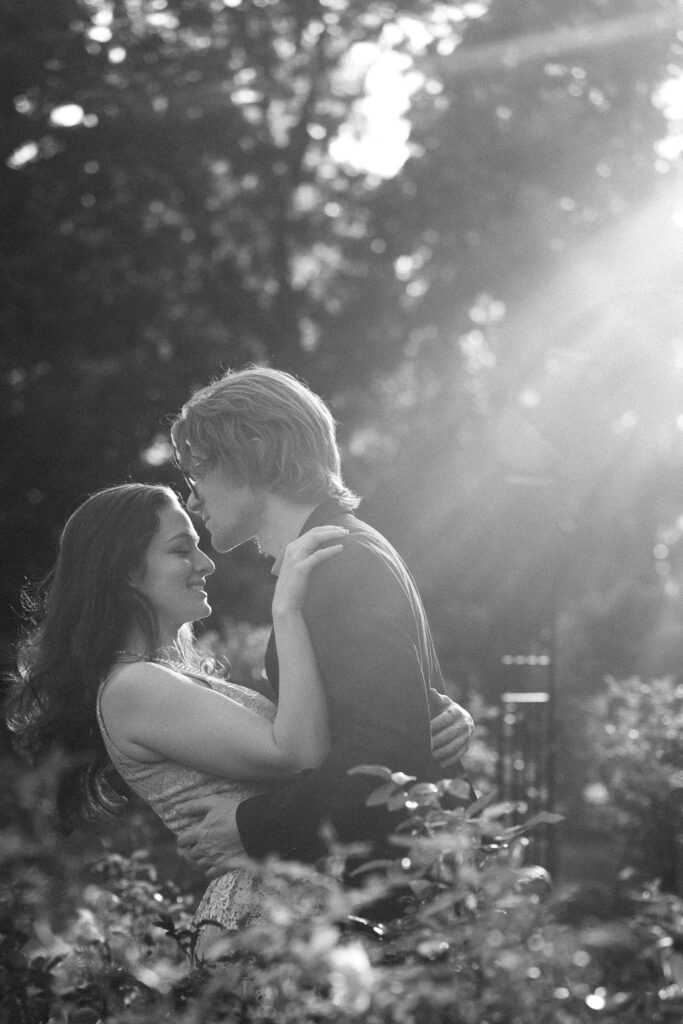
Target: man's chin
[(223, 545)]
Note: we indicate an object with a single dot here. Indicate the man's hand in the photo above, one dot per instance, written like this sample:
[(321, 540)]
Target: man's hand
[(452, 730), (213, 842)]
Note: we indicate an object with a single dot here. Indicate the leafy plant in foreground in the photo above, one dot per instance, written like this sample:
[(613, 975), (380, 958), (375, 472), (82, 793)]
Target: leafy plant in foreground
[(480, 937), (640, 756)]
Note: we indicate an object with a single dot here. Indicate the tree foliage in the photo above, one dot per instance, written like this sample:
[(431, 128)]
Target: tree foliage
[(188, 185)]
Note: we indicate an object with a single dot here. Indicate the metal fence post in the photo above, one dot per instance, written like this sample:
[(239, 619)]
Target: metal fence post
[(526, 761)]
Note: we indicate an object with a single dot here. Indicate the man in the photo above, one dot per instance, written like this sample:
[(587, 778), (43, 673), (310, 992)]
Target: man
[(259, 451)]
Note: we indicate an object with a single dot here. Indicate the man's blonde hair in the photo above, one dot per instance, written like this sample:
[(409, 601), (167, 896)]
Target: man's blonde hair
[(265, 429)]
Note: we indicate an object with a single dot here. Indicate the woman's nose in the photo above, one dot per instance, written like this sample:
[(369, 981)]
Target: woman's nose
[(207, 566)]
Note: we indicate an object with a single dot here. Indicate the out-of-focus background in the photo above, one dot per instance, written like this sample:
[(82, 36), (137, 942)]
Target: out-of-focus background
[(462, 224)]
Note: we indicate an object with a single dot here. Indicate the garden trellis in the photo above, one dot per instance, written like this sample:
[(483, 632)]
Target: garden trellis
[(526, 767)]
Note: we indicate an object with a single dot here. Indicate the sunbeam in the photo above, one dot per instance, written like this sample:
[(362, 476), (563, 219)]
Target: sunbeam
[(599, 345), (566, 39)]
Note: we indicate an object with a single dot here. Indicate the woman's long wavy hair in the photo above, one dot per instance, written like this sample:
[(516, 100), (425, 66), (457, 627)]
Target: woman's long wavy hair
[(77, 618)]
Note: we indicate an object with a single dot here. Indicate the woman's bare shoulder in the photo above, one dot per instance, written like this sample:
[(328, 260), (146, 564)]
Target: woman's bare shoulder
[(134, 679)]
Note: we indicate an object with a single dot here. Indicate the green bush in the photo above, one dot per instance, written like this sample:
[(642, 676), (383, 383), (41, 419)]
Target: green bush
[(481, 938), (638, 737)]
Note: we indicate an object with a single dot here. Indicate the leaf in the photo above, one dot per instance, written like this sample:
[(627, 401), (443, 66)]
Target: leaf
[(458, 788), (419, 886), (488, 828), (398, 801), (424, 789), (371, 769), (373, 865), (166, 922), (422, 799), (533, 879), (380, 795), (401, 779), (407, 841), (433, 949), (405, 826), (543, 818), (443, 902), (499, 810), (54, 960), (437, 818), (482, 802)]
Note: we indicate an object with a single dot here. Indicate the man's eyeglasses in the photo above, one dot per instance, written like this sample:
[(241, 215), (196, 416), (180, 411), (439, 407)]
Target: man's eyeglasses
[(192, 484)]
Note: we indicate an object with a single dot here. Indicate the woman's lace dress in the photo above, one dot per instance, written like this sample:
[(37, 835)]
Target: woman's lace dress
[(232, 899)]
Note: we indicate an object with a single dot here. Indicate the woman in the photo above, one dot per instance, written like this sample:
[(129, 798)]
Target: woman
[(110, 675)]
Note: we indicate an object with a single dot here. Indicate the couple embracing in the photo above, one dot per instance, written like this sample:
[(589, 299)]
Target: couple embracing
[(109, 673)]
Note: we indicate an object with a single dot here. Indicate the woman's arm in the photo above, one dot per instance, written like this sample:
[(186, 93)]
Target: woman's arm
[(152, 712), (301, 725)]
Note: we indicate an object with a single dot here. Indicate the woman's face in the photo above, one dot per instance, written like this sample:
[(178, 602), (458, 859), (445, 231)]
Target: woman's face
[(173, 572)]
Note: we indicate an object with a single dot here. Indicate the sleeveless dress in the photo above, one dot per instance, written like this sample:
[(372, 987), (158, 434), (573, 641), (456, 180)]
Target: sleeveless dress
[(234, 899)]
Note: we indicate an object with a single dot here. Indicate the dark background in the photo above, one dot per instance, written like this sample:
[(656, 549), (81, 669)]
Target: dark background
[(496, 324)]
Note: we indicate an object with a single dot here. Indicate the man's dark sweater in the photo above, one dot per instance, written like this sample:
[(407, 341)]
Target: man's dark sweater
[(382, 680)]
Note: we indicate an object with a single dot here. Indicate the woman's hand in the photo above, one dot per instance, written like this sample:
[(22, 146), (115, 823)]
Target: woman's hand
[(299, 558), (301, 727), (452, 730)]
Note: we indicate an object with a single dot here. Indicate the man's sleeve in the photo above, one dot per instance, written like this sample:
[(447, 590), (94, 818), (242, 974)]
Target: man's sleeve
[(361, 620)]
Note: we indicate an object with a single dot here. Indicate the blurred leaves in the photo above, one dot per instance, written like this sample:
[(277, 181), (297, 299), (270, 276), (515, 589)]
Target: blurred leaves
[(639, 758), (480, 934), (495, 321)]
